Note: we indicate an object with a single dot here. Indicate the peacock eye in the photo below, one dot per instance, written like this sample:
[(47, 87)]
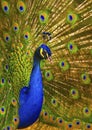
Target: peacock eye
[(15, 120), (60, 121), (15, 27), (3, 80), (7, 67), (26, 36), (6, 37), (42, 17), (21, 7), (45, 113), (70, 17), (5, 6), (2, 110), (44, 52), (14, 102), (71, 46), (8, 128), (77, 122), (70, 125), (88, 126)]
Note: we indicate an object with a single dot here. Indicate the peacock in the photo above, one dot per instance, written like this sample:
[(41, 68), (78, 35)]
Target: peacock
[(46, 64)]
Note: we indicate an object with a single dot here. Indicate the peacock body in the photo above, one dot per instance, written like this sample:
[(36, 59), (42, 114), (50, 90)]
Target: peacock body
[(64, 26)]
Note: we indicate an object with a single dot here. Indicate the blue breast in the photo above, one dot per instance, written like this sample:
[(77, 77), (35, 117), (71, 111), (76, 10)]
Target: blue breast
[(31, 98)]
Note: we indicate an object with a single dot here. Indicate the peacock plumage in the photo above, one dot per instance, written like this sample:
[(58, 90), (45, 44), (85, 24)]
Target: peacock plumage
[(65, 26)]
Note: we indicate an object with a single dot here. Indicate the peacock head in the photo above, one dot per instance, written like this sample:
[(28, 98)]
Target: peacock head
[(44, 52)]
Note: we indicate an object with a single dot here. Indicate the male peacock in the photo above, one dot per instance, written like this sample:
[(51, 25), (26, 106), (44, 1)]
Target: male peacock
[(66, 27), (31, 98)]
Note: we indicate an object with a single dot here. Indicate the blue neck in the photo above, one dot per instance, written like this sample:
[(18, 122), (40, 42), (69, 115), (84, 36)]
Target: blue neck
[(35, 70), (36, 60), (31, 108)]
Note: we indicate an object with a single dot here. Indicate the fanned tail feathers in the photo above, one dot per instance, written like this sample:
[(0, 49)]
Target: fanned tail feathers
[(67, 81)]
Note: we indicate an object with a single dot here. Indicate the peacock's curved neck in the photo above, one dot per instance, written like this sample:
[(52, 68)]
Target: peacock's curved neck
[(30, 110), (36, 72), (36, 60)]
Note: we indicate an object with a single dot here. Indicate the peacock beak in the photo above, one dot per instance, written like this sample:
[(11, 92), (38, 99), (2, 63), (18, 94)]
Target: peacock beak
[(50, 59)]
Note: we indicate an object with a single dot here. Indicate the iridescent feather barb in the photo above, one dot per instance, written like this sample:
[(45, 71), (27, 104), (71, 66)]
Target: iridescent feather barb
[(67, 81)]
